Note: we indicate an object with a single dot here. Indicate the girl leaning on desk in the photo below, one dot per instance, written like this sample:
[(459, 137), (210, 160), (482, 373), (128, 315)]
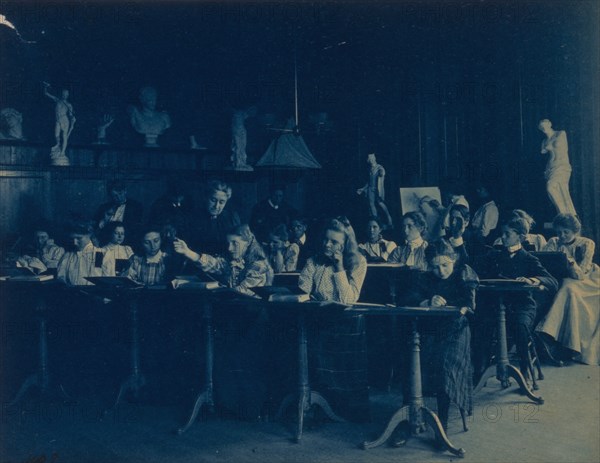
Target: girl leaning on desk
[(337, 274), (448, 283)]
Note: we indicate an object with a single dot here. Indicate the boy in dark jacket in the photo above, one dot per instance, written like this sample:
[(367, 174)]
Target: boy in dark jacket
[(513, 262)]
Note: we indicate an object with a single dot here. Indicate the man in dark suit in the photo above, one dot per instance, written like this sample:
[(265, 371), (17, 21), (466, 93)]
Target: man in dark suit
[(120, 209), (270, 212), (513, 262)]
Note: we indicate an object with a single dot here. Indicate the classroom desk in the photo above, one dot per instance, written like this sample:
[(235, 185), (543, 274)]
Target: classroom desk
[(305, 398), (416, 414), (41, 378), (207, 299), (503, 370)]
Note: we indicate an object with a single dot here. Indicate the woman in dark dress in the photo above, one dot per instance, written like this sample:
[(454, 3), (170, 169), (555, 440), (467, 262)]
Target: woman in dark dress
[(449, 284)]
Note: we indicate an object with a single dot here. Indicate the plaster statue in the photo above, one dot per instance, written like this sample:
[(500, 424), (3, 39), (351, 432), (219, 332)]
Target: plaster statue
[(147, 120), (239, 138), (375, 190), (105, 122), (11, 124), (65, 121), (558, 168)]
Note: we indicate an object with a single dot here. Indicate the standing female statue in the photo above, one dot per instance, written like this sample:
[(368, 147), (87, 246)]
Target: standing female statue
[(558, 168)]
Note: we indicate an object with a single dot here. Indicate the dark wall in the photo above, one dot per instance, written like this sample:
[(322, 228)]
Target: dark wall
[(446, 92)]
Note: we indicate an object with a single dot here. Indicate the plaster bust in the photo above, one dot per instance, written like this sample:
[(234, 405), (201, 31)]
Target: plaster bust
[(147, 120), (11, 124)]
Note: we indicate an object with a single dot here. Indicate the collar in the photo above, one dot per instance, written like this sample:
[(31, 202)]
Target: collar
[(512, 249), (456, 242), (88, 248), (569, 243), (155, 259), (415, 243), (274, 206), (302, 239), (379, 241)]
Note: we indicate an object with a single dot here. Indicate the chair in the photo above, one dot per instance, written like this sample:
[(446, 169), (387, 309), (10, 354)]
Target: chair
[(533, 359)]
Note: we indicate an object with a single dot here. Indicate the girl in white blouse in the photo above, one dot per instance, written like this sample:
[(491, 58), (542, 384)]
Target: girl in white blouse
[(116, 254), (574, 317)]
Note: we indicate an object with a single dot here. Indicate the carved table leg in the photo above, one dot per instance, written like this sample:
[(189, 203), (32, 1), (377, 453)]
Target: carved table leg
[(516, 374), (136, 379), (305, 396), (206, 396), (418, 415), (41, 379)]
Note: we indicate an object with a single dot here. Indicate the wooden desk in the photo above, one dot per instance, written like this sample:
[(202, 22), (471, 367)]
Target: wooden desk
[(416, 414), (40, 379), (305, 397), (206, 300), (503, 370)]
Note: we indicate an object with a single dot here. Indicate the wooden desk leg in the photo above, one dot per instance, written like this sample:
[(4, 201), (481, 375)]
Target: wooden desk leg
[(136, 379), (401, 416), (515, 373), (504, 370), (418, 414), (41, 378), (501, 373), (206, 396), (440, 435), (394, 351), (305, 396), (489, 372), (498, 370)]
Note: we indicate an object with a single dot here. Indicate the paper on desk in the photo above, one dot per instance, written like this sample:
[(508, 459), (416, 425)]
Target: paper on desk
[(193, 282)]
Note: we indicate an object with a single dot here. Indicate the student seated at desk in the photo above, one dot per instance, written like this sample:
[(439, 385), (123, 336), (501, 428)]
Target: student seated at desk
[(85, 261), (458, 221), (150, 268), (412, 252), (245, 267), (298, 235), (42, 251), (337, 274), (283, 255), (116, 254), (531, 241), (514, 262), (376, 249), (449, 283), (574, 317)]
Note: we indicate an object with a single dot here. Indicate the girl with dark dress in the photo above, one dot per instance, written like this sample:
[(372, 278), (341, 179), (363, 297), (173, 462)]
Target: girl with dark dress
[(449, 283)]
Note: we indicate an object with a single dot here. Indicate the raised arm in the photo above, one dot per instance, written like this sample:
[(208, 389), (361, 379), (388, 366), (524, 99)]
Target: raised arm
[(207, 263), (48, 94)]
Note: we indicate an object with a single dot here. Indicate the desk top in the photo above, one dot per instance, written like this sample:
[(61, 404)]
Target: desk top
[(507, 285), (404, 311)]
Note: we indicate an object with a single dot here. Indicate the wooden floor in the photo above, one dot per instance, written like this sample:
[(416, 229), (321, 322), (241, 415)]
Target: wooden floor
[(504, 428)]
